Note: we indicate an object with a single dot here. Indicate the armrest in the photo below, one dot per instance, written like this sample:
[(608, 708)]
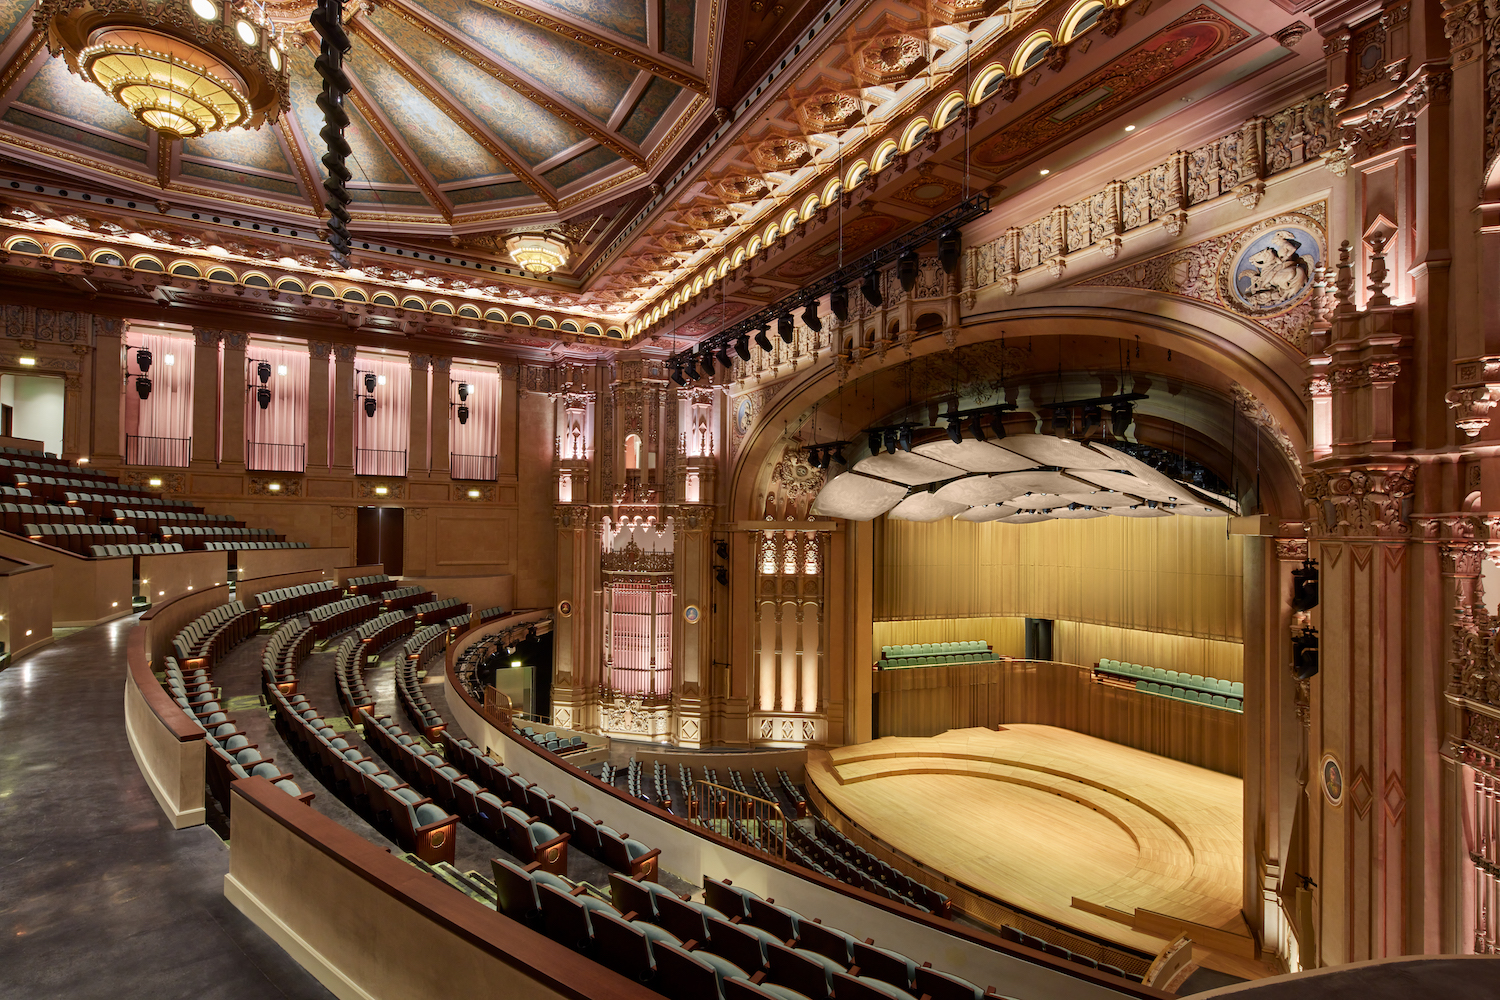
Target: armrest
[(448, 820)]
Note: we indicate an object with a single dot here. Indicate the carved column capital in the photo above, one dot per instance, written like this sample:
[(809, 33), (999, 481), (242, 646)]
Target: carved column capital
[(441, 366), (235, 341), (419, 362), (1463, 24), (205, 337), (319, 350), (344, 353)]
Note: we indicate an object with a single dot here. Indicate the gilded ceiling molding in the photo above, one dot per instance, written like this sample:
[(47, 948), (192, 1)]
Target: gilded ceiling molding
[(166, 148), (397, 145), (298, 156), (601, 44), (52, 152), (546, 101), (21, 60), (459, 116)]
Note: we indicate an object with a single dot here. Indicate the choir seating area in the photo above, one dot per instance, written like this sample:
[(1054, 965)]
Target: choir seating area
[(928, 654), (1211, 691)]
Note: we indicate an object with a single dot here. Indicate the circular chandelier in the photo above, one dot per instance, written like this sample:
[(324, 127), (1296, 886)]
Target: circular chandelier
[(180, 67), (538, 253)]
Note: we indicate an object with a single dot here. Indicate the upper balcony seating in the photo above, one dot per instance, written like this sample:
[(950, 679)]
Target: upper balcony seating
[(15, 516), (103, 502), (81, 538), (57, 488), (927, 654), (551, 740), (278, 604), (331, 619), (195, 536), (138, 549), (149, 520), (1210, 691), (403, 598), (792, 792), (371, 586), (448, 610), (491, 614), (244, 546), (208, 636)]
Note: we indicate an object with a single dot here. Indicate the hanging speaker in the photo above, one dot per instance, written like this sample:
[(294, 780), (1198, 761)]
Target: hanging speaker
[(263, 371), (463, 414), (143, 361)]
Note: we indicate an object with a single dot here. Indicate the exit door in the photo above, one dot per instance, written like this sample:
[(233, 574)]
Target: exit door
[(380, 538)]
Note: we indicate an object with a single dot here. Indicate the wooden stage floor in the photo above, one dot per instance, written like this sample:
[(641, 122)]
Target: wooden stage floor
[(1111, 841)]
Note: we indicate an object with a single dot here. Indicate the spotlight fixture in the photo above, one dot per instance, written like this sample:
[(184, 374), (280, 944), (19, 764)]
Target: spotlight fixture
[(463, 414), (815, 458), (677, 375), (143, 360), (903, 437), (1092, 419), (1305, 654), (369, 381), (976, 426), (869, 287), (1062, 420), (997, 423), (1305, 586), (742, 346), (838, 303), (369, 406), (690, 368), (892, 439), (810, 317), (762, 341), (955, 429), (143, 387), (784, 327), (722, 356), (950, 244), (838, 453), (907, 266), (1121, 415), (263, 397), (463, 392), (263, 371)]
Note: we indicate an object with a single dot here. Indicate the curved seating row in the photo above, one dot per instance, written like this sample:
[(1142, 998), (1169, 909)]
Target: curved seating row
[(81, 538), (243, 546), (349, 677), (288, 601), (138, 549), (404, 598), (792, 792), (58, 487), (331, 619), (382, 630), (849, 862), (149, 520), (101, 503), (420, 648), (1018, 936), (927, 654), (208, 636), (196, 536), (1171, 678), (492, 614), (370, 586), (289, 645), (550, 740), (446, 610), (15, 516)]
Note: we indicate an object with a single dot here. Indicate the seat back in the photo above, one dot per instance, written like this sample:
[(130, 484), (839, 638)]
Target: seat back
[(563, 918), (622, 946), (797, 972)]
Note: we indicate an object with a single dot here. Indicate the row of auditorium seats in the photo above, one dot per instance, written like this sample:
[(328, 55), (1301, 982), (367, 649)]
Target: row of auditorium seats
[(149, 520), (449, 610), (57, 488), (792, 792), (15, 516), (507, 790), (491, 614), (1189, 695), (550, 740), (1173, 678), (200, 644), (371, 586), (331, 619), (246, 546), (139, 549), (1020, 937), (403, 598), (409, 684), (196, 536), (883, 878), (382, 630), (927, 654), (349, 677), (287, 601), (289, 645), (100, 504), (81, 538)]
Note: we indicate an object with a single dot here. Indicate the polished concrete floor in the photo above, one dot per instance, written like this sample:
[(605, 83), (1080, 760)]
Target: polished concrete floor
[(99, 896)]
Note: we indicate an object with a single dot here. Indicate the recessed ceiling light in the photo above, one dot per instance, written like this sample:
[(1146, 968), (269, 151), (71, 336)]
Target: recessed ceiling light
[(1045, 171), (1130, 128)]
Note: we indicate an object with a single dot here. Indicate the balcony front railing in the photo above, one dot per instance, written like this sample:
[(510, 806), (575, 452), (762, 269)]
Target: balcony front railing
[(379, 462), (263, 456), (161, 452), (476, 467)]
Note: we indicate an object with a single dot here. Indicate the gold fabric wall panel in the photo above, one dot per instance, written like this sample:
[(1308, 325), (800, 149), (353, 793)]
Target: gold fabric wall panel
[(1179, 575), (1006, 635), (927, 701)]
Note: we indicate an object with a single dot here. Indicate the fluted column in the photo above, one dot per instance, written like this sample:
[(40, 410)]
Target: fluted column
[(416, 445), (440, 370), (317, 404), (106, 390), (232, 449), (205, 396), (342, 405)]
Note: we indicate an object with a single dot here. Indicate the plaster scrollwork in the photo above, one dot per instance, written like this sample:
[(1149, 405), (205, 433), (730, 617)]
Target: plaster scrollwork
[(574, 515), (632, 716), (1463, 24), (794, 477), (1471, 407), (1291, 549), (1360, 502), (1253, 410)]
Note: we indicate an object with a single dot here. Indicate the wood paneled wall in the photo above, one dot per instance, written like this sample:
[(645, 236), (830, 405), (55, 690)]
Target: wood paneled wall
[(927, 701), (1178, 575)]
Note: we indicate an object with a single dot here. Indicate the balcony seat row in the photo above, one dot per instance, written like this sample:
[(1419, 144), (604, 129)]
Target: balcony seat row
[(209, 636), (403, 598), (419, 649), (331, 619), (81, 538), (149, 520), (196, 536), (138, 549), (449, 610), (247, 546), (1171, 678), (371, 586), (15, 516), (287, 601), (282, 658), (382, 630), (57, 488), (928, 654), (103, 503)]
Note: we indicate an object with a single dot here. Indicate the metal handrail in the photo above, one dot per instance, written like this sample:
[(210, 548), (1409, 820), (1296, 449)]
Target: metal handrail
[(387, 461), (480, 468), (270, 456), (161, 452), (745, 819)]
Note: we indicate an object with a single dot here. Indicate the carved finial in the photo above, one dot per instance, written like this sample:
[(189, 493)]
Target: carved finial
[(1344, 284), (1378, 299)]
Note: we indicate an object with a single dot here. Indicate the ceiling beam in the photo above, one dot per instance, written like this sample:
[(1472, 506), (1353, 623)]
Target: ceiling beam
[(20, 60), (456, 112), (543, 99), (599, 43), (307, 164), (388, 134)]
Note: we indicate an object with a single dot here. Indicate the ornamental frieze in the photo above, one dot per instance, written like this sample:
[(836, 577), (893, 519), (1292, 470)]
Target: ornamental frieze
[(1360, 502)]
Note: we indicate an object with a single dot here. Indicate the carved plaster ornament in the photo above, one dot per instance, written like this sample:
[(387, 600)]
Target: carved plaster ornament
[(891, 59), (1472, 407)]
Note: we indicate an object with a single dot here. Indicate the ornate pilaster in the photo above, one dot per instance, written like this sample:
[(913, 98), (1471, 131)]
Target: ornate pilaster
[(343, 405), (236, 379), (441, 421), (205, 396), (416, 443), (317, 404)]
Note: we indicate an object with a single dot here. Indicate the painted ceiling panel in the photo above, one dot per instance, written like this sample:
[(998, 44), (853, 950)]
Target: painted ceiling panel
[(591, 81), (257, 148), (67, 133), (62, 93), (237, 178), (524, 127), (371, 163), (580, 166), (657, 97), (444, 148), (679, 27), (623, 17), (488, 192), (11, 15)]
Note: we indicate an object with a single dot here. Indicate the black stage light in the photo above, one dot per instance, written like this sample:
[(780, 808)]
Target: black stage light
[(997, 423), (677, 375), (369, 406), (369, 381), (892, 440), (976, 427), (463, 414), (869, 287), (762, 341), (838, 454), (907, 266), (742, 346), (143, 387), (955, 431), (784, 327), (1305, 654), (263, 397), (690, 368), (463, 392), (143, 361), (810, 317), (814, 458), (722, 356), (1092, 418), (838, 303), (1120, 417), (949, 246), (263, 371), (1305, 586), (903, 437), (1062, 420)]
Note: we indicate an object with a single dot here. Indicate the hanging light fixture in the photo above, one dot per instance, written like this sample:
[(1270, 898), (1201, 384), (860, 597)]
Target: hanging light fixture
[(538, 253), (369, 406), (369, 381), (463, 414), (907, 267), (810, 317), (838, 303), (143, 387), (1121, 415), (143, 359), (722, 356), (263, 372), (869, 287), (179, 67), (762, 341), (784, 327), (742, 346), (263, 397), (677, 375)]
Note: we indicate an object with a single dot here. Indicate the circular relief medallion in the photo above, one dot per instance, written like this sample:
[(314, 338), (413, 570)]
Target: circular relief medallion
[(742, 416), (565, 608), (691, 614), (1269, 269), (1331, 775)]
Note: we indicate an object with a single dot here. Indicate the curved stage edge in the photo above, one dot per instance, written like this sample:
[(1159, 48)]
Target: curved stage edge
[(1112, 842)]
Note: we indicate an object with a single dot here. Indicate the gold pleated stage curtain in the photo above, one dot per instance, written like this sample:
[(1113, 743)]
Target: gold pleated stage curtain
[(1178, 575), (926, 701)]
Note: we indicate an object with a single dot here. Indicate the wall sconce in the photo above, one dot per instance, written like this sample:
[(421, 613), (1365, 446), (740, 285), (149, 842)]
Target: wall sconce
[(274, 487), (381, 491), (153, 482)]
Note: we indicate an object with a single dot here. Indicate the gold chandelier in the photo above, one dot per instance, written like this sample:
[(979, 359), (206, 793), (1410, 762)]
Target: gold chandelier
[(538, 253), (180, 67)]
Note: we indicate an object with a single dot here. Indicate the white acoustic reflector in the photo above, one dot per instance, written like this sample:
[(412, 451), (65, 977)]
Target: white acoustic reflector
[(1044, 449), (974, 456), (907, 467), (856, 497), (926, 507)]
